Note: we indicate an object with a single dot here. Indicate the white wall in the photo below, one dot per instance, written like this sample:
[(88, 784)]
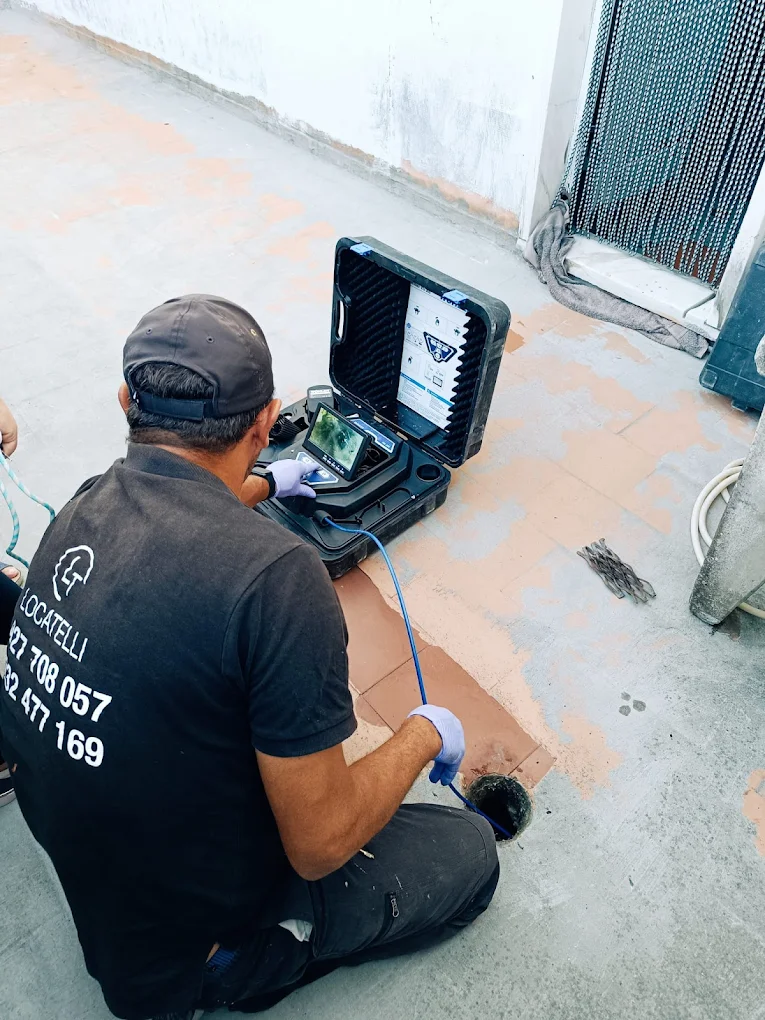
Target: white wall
[(451, 90), (572, 62)]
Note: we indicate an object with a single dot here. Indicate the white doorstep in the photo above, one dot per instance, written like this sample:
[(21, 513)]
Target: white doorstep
[(676, 297)]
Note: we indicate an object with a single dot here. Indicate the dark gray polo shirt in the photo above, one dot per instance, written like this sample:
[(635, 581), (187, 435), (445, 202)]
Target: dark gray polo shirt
[(165, 632)]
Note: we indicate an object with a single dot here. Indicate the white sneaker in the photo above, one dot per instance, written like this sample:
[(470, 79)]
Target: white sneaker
[(7, 793)]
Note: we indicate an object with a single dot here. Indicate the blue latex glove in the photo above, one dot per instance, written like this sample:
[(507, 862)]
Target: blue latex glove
[(289, 475), (452, 742)]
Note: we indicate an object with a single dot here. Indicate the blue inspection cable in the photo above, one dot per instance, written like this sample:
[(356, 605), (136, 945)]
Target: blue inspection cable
[(413, 646), (12, 509)]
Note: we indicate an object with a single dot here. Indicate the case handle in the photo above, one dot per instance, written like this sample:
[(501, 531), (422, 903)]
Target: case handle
[(339, 320)]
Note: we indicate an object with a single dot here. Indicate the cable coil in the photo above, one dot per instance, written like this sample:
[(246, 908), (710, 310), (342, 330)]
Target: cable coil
[(720, 485), (12, 509)]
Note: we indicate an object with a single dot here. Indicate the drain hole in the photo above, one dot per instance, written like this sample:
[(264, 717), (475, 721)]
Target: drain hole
[(428, 472), (504, 800)]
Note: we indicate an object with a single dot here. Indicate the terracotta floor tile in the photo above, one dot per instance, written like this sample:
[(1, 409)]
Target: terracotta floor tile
[(495, 741), (477, 565), (540, 320), (467, 493), (365, 712), (618, 468), (377, 640), (607, 401), (652, 501), (513, 341), (506, 476), (607, 462), (371, 732), (672, 430), (534, 768), (573, 513), (526, 546)]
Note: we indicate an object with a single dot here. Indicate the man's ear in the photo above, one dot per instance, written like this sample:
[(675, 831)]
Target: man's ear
[(265, 422), (123, 395)]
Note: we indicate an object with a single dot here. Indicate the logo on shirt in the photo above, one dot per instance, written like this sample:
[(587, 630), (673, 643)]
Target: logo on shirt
[(73, 567), (439, 351)]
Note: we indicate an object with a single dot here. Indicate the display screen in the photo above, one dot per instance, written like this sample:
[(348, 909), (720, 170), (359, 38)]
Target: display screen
[(336, 441)]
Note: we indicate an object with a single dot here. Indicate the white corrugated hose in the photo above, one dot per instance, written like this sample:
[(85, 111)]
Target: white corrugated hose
[(700, 537)]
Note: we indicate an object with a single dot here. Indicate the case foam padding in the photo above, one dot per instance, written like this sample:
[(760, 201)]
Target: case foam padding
[(367, 363)]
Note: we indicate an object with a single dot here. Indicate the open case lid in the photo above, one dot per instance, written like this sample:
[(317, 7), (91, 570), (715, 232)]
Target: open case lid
[(417, 348)]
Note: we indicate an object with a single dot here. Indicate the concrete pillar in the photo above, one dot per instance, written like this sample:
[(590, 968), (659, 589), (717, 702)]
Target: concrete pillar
[(735, 564)]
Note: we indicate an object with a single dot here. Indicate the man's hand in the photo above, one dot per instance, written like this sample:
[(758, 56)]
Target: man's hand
[(289, 475), (9, 434), (449, 729), (327, 811)]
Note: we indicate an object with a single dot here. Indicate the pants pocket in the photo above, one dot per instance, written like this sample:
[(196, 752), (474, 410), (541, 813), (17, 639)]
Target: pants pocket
[(390, 913)]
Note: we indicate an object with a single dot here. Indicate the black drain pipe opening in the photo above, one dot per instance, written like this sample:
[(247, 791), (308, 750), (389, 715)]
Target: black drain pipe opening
[(505, 800)]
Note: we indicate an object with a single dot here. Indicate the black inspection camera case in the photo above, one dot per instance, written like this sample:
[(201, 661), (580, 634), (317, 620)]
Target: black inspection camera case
[(404, 475), (730, 368)]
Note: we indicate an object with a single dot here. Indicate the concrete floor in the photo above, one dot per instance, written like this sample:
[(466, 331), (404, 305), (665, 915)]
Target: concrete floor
[(638, 890)]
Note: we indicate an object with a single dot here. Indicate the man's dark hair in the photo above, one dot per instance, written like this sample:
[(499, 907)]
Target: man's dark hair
[(213, 435)]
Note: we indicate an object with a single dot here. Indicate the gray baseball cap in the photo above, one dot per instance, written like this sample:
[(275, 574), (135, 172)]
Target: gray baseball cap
[(214, 338)]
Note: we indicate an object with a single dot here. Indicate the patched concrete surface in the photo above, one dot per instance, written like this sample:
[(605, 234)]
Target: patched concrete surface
[(638, 889)]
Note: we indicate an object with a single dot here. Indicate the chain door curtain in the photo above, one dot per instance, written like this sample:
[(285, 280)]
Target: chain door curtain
[(672, 137)]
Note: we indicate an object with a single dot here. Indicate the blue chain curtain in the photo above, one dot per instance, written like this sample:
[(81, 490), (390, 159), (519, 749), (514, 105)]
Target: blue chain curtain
[(672, 137)]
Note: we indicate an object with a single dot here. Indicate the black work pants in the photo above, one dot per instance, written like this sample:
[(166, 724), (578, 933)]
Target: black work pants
[(9, 596), (431, 872)]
